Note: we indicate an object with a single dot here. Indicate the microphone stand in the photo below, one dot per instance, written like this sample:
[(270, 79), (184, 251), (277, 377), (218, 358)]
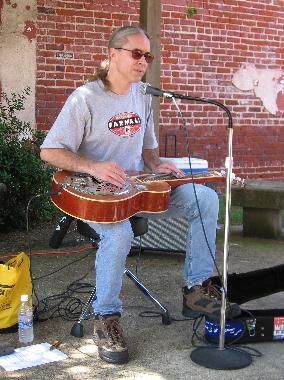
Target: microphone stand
[(220, 357)]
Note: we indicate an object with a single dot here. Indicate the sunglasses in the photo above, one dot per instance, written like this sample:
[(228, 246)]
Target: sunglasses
[(137, 54)]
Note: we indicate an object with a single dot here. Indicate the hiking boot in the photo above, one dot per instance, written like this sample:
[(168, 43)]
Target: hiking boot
[(108, 336), (205, 299)]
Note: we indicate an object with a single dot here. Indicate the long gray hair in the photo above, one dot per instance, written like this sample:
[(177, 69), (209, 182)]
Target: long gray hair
[(117, 39)]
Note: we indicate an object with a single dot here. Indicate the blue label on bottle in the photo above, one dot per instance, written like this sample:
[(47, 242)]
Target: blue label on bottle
[(25, 324), (25, 321)]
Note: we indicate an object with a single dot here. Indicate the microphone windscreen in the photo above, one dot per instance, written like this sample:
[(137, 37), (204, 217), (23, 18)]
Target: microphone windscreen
[(143, 88)]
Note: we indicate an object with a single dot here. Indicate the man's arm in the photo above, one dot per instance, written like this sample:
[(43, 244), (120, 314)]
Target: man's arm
[(108, 171), (151, 159)]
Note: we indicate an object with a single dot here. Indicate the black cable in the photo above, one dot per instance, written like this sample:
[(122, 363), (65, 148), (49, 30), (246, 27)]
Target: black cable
[(58, 270), (29, 244), (230, 125), (68, 306), (64, 305), (232, 345), (157, 314), (194, 189), (201, 339)]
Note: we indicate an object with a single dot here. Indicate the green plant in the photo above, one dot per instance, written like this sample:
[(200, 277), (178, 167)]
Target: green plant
[(21, 168), (191, 11)]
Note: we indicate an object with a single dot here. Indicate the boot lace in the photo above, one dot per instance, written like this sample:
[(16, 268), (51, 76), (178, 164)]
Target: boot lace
[(114, 332), (212, 291)]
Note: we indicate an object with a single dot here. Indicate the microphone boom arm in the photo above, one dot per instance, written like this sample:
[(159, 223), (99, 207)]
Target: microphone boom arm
[(204, 100)]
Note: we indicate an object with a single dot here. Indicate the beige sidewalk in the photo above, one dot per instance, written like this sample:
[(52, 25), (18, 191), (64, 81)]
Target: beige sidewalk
[(157, 351)]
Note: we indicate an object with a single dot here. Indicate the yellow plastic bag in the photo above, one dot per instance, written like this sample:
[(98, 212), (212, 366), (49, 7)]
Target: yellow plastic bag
[(15, 279)]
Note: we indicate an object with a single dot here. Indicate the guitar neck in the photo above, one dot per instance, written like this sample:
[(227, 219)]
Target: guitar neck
[(173, 181)]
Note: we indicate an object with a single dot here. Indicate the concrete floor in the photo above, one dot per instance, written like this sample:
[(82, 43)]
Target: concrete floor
[(157, 351)]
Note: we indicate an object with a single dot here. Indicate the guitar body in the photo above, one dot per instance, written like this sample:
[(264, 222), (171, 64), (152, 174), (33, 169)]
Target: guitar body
[(82, 197)]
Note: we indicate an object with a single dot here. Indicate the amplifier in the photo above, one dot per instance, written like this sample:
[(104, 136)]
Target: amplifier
[(170, 234), (164, 235)]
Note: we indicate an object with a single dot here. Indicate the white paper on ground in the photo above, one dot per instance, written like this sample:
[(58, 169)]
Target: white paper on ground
[(31, 356)]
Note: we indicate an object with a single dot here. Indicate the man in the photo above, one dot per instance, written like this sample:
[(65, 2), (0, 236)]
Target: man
[(105, 129)]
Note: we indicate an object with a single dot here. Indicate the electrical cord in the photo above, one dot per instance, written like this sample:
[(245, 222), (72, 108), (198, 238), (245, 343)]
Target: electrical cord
[(68, 306), (44, 253), (65, 305), (194, 188), (60, 269), (198, 340), (230, 125), (157, 314), (232, 344)]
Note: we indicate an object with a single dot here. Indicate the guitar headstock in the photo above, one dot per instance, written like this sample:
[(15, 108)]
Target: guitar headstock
[(235, 180)]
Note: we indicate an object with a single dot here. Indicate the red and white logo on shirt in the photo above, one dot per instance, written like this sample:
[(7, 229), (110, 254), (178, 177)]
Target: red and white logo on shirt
[(125, 124)]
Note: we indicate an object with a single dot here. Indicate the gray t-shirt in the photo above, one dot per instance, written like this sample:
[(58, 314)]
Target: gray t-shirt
[(101, 125)]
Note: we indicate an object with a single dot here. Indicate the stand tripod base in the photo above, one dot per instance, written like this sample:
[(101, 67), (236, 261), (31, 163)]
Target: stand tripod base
[(215, 358), (77, 330)]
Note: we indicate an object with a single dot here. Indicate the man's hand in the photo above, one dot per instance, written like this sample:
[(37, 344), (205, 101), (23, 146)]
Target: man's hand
[(108, 171), (156, 165), (168, 168)]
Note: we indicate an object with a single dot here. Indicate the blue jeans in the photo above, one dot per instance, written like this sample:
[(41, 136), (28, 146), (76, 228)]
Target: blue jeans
[(116, 241)]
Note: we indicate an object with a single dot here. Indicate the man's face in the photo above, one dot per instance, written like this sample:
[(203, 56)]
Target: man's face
[(128, 68)]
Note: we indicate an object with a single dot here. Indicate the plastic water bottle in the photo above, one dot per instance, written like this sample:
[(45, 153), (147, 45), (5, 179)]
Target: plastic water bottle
[(25, 321)]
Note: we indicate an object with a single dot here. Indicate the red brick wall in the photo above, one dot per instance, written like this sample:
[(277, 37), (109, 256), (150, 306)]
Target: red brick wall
[(80, 30), (198, 57)]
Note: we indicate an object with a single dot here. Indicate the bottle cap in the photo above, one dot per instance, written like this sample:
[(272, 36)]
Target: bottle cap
[(24, 297)]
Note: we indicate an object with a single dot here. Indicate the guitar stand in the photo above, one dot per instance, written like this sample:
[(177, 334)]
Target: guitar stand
[(139, 226)]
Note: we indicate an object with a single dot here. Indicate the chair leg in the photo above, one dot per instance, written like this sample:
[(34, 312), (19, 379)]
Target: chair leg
[(166, 318), (77, 329), (60, 231)]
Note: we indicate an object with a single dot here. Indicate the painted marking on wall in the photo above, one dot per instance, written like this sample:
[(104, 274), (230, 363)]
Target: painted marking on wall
[(29, 30), (64, 55)]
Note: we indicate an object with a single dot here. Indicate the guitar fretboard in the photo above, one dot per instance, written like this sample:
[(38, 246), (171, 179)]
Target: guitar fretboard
[(206, 176)]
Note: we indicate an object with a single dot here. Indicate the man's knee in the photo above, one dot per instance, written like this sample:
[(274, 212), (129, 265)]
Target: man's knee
[(208, 200), (120, 236)]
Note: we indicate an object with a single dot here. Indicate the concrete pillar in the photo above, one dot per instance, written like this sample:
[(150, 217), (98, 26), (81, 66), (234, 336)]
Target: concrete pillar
[(18, 51)]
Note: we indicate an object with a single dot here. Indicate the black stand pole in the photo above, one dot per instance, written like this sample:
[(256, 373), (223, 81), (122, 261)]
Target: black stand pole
[(220, 357)]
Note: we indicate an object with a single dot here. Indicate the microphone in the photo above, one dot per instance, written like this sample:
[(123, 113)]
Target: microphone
[(146, 88)]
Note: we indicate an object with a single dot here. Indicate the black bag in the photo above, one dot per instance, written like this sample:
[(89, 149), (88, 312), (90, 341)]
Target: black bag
[(244, 287)]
